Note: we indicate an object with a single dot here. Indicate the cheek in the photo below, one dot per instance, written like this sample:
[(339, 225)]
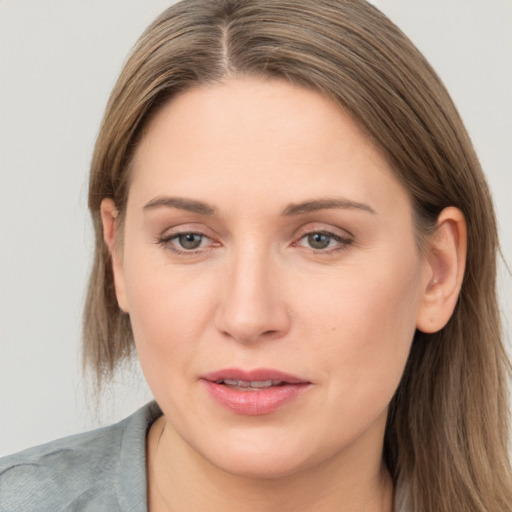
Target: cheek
[(363, 329), (169, 312)]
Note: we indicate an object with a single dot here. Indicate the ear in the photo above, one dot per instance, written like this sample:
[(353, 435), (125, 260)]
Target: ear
[(446, 260), (109, 215)]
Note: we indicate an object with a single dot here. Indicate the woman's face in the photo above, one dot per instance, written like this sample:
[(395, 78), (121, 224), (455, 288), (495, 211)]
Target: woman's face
[(272, 277)]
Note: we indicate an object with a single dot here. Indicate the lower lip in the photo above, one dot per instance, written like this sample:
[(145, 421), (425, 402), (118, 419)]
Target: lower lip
[(258, 402)]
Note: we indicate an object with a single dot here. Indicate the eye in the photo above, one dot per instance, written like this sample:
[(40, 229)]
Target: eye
[(319, 240), (186, 242), (324, 241), (189, 241)]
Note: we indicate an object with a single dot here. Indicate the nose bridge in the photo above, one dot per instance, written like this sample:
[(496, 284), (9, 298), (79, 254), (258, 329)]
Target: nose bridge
[(252, 306)]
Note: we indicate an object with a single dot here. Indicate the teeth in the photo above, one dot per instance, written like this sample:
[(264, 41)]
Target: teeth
[(259, 384)]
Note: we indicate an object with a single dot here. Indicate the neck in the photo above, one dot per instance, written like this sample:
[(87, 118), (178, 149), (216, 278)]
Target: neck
[(179, 479)]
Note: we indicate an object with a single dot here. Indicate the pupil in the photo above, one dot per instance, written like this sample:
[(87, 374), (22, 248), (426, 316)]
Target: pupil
[(190, 240), (318, 241)]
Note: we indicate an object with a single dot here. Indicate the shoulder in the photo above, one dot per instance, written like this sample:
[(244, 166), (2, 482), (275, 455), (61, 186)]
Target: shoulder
[(83, 472), (60, 472)]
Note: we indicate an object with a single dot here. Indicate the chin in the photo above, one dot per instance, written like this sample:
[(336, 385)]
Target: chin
[(261, 466), (265, 456)]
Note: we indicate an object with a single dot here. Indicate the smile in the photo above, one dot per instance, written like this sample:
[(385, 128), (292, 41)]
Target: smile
[(254, 393)]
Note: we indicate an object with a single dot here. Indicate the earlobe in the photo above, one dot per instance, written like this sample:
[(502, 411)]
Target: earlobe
[(109, 215), (446, 259)]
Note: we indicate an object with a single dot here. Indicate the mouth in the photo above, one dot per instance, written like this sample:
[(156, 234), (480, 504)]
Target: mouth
[(245, 385), (255, 392)]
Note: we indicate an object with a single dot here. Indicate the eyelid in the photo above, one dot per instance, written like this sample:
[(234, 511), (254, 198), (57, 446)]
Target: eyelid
[(342, 236), (181, 228), (165, 239), (321, 227), (342, 242)]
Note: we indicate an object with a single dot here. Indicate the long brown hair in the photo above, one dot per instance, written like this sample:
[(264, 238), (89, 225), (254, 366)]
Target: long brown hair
[(446, 437)]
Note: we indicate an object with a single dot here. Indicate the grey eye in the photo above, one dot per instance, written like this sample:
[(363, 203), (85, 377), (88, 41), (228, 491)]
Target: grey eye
[(319, 240), (190, 240)]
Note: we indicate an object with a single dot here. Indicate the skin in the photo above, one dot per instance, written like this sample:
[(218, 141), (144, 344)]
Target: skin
[(259, 292)]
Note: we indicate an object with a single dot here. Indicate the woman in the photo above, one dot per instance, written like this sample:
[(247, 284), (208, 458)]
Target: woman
[(293, 231)]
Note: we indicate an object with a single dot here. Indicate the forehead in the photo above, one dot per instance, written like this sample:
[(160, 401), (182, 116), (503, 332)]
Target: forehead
[(261, 108), (258, 136)]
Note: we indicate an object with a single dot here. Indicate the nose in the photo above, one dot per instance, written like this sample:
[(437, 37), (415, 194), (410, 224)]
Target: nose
[(252, 304)]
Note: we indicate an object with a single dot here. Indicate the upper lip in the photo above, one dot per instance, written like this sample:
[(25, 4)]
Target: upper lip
[(255, 375)]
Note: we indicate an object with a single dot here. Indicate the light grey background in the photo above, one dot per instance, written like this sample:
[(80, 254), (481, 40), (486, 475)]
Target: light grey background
[(58, 62)]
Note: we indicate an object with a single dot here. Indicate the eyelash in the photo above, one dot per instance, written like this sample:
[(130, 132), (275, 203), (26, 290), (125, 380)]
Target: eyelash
[(167, 242), (342, 242)]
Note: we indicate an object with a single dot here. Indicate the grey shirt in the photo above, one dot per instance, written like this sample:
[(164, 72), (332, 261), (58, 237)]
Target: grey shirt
[(102, 470)]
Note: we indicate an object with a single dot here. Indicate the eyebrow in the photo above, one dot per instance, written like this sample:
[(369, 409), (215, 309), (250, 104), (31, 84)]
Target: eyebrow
[(202, 208), (181, 203), (324, 204)]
